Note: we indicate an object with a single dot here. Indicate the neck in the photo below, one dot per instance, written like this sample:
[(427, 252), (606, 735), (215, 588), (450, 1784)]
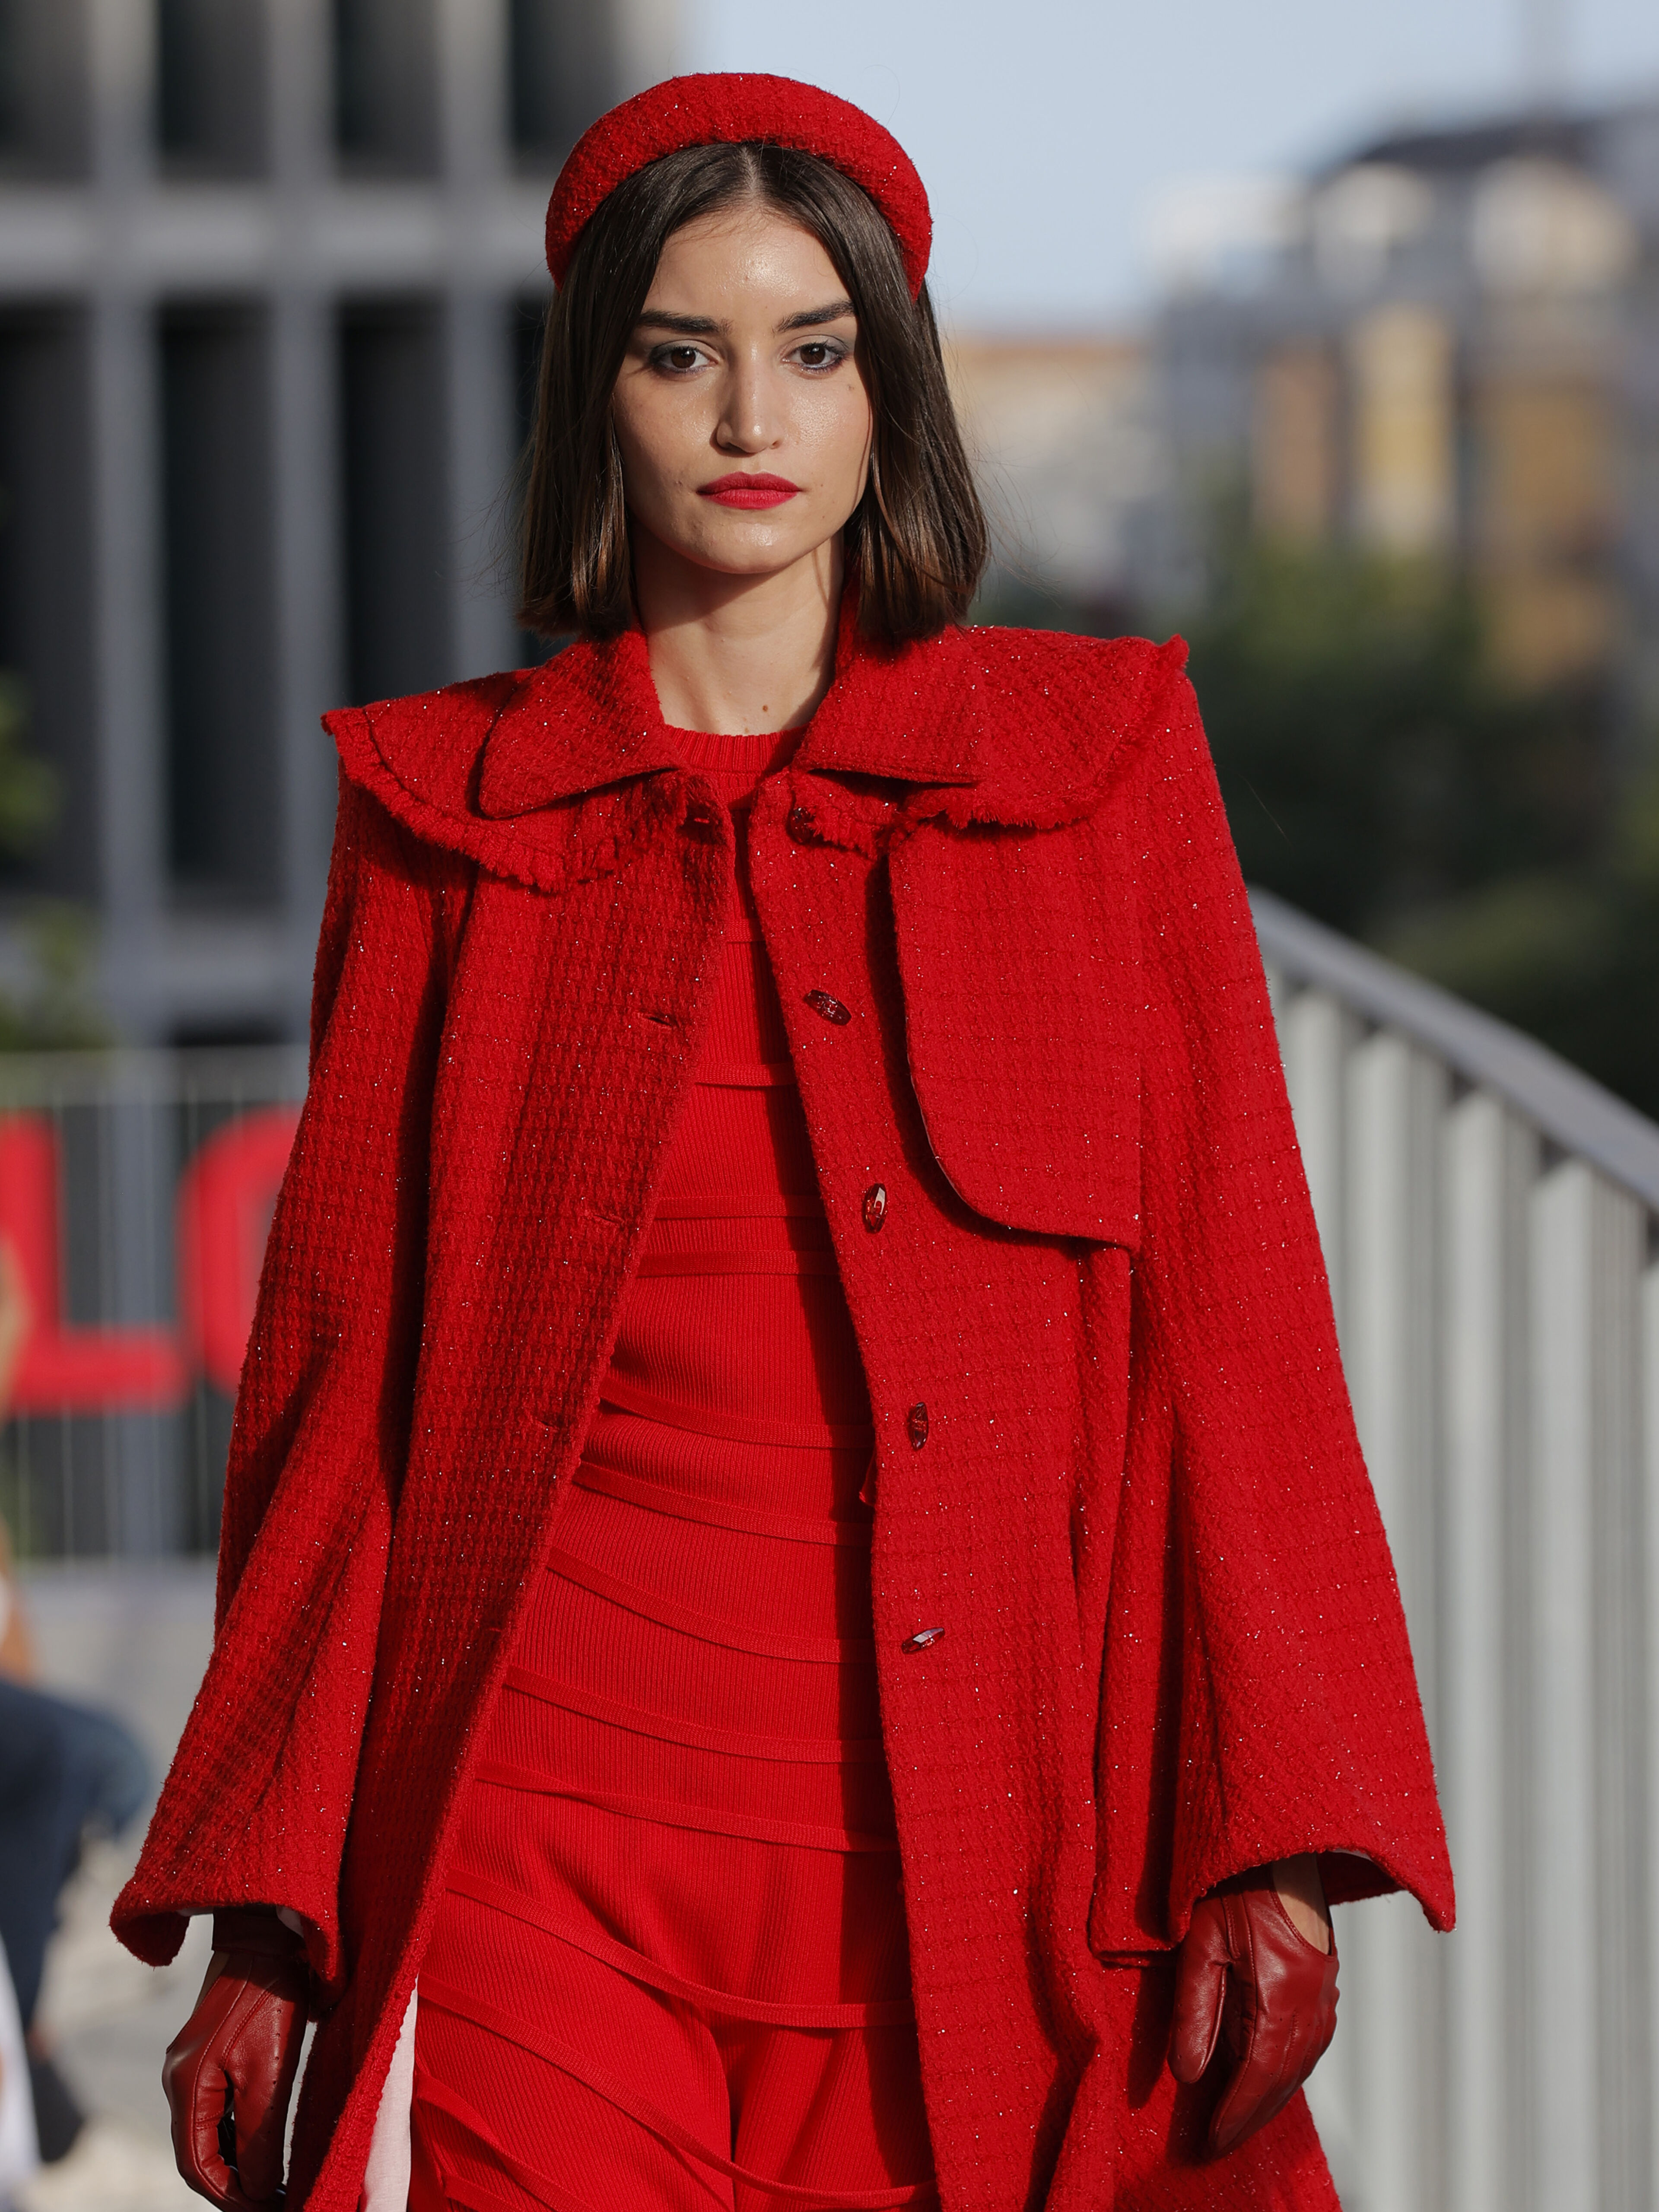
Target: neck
[(737, 655)]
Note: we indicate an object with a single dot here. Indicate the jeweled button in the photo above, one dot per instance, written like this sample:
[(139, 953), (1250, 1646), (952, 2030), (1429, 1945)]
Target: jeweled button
[(916, 1422), (922, 1639), (831, 1009), (875, 1207), (801, 825)]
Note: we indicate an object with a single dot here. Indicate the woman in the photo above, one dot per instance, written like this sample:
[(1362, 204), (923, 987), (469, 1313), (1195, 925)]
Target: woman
[(795, 1569)]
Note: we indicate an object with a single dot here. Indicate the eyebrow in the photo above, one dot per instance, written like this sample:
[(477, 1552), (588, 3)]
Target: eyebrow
[(809, 316), (705, 326)]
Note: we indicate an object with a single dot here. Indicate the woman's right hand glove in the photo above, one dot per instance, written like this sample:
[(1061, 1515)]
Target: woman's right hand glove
[(229, 2071)]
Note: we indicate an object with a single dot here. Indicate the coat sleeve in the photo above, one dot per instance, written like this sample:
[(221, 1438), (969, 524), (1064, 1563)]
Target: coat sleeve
[(255, 1806), (1258, 1693)]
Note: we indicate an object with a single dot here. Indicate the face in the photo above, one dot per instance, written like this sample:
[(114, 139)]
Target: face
[(740, 410)]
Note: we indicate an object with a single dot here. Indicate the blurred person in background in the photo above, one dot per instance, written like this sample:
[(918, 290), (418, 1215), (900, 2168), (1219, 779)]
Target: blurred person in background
[(800, 1617), (20, 2145), (66, 1770)]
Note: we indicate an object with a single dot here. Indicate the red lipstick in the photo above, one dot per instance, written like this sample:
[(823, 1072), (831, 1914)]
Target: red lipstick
[(741, 489)]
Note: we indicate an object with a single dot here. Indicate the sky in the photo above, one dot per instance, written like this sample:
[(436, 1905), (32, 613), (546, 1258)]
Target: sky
[(1049, 132)]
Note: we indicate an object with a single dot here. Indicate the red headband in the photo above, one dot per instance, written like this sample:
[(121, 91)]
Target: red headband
[(724, 110)]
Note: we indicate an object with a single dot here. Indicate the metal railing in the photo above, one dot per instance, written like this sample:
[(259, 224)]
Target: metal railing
[(135, 1192), (1489, 1218)]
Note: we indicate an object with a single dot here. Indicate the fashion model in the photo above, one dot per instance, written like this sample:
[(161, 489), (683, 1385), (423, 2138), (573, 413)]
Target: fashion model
[(801, 1623)]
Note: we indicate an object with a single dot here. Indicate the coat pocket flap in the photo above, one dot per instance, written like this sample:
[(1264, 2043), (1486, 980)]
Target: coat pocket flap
[(1019, 958)]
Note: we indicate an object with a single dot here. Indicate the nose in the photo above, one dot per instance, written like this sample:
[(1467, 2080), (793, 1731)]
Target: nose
[(748, 419)]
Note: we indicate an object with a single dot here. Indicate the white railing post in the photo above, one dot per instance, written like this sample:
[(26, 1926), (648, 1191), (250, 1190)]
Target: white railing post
[(1397, 1098), (1315, 1034), (1586, 1262), (1491, 1160), (1624, 1744), (1649, 1720)]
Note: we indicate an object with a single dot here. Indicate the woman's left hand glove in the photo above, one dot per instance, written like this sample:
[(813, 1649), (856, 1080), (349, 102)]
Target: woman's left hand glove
[(1247, 1978)]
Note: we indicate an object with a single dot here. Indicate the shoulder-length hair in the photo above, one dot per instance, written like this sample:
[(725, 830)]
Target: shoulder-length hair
[(917, 540)]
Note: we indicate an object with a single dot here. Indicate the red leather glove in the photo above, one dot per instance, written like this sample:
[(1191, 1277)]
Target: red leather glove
[(1247, 1978), (229, 2071)]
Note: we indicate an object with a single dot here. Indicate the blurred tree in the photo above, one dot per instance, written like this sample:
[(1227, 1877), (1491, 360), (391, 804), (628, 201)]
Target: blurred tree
[(52, 1007), (29, 789), (1570, 954), (1371, 765), (1379, 776)]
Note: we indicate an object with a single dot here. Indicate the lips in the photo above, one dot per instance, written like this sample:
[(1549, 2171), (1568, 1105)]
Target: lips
[(741, 489)]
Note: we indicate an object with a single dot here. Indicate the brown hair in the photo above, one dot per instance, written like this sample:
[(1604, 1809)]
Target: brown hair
[(917, 539)]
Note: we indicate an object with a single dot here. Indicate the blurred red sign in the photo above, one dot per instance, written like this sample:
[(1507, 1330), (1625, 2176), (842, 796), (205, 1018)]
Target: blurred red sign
[(223, 1214)]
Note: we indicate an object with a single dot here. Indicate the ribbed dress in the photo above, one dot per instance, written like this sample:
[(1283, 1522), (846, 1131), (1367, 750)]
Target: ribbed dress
[(670, 1968)]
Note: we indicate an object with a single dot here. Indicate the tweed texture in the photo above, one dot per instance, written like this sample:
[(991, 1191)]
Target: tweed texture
[(1115, 1460), (722, 108)]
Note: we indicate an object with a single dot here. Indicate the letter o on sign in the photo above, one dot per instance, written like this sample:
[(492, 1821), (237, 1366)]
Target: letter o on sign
[(225, 1200)]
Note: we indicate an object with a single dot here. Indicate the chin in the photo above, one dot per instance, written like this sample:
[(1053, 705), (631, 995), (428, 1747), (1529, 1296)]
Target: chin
[(750, 555)]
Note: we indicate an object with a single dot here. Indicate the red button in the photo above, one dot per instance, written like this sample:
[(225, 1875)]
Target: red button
[(831, 1009), (875, 1207), (922, 1639), (916, 1422)]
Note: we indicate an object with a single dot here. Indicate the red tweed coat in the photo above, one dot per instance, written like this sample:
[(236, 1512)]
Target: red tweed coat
[(1173, 1646)]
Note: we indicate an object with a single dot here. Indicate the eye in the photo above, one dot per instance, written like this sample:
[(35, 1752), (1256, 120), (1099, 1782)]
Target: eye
[(820, 356), (679, 359)]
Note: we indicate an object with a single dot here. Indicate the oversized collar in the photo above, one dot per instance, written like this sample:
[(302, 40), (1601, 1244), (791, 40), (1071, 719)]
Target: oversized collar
[(589, 717), (545, 773)]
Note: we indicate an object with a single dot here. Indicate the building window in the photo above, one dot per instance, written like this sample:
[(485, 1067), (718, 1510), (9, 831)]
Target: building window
[(1402, 369), (385, 92), (210, 86), (397, 531), (43, 93), (1548, 486), (46, 584), (223, 810), (1296, 481), (562, 73)]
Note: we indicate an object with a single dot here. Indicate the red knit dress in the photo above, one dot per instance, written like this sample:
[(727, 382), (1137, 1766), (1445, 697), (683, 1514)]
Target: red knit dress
[(670, 1968)]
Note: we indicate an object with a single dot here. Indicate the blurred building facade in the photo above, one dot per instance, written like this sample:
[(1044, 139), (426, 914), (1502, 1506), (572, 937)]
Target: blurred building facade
[(1061, 432), (270, 276), (1451, 347)]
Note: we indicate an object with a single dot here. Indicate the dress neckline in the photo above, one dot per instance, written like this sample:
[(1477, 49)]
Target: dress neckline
[(761, 751)]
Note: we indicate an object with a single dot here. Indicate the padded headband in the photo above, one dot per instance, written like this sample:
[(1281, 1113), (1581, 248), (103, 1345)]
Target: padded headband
[(727, 109)]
